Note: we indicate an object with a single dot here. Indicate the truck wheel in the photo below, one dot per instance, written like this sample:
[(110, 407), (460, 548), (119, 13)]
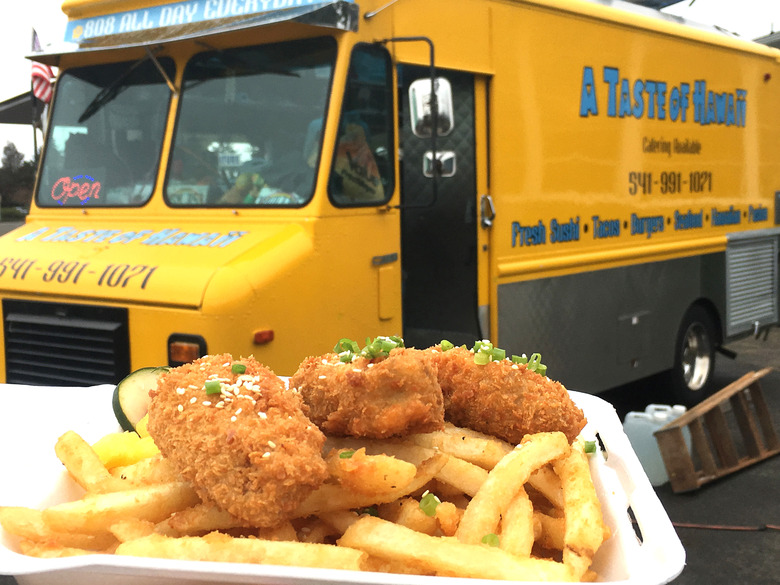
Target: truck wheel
[(694, 357)]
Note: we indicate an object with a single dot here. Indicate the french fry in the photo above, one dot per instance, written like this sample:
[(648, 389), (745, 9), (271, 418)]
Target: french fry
[(28, 524), (550, 531), (471, 446), (407, 512), (517, 526), (463, 475), (84, 465), (369, 474), (448, 517), (224, 548), (146, 471), (50, 550), (317, 530), (340, 519), (447, 556), (197, 519), (584, 526), (96, 513), (284, 532), (546, 482), (331, 497), (131, 529), (484, 511)]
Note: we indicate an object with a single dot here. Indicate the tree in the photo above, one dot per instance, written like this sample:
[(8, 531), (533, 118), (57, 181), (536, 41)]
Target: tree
[(12, 158), (17, 179)]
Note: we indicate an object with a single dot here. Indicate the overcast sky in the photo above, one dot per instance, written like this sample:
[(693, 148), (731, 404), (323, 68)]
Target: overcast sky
[(748, 18)]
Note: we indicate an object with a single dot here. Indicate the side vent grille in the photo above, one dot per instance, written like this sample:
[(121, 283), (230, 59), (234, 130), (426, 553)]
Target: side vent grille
[(57, 344), (751, 284)]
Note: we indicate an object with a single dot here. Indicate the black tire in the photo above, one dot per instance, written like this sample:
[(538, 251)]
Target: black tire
[(692, 378)]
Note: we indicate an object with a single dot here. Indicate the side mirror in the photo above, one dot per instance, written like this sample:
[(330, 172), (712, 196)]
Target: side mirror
[(420, 107)]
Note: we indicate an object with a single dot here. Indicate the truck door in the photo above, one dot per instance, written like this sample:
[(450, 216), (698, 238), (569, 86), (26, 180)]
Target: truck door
[(439, 237)]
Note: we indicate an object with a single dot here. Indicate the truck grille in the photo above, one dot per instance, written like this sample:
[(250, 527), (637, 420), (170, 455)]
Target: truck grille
[(56, 344), (751, 284)]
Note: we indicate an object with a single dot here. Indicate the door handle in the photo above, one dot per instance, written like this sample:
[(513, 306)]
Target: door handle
[(487, 211)]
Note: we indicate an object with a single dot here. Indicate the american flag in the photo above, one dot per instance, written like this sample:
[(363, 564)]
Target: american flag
[(41, 75)]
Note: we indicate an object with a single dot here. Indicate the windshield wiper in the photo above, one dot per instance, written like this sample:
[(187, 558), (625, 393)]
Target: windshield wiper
[(110, 92)]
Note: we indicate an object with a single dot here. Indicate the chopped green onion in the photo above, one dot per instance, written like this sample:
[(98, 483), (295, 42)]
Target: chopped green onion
[(446, 345), (213, 387), (346, 344), (589, 447), (370, 511), (483, 345), (238, 369), (379, 347), (481, 358), (490, 539), (428, 504), (382, 346), (346, 454), (534, 363), (498, 354)]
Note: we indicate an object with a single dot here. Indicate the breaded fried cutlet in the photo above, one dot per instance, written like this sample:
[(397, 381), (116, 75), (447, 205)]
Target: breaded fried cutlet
[(503, 399), (375, 398), (239, 435)]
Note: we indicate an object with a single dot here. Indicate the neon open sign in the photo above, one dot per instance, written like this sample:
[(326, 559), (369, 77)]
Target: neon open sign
[(82, 187)]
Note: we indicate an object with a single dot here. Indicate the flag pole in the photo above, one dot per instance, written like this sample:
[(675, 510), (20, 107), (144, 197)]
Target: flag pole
[(33, 108)]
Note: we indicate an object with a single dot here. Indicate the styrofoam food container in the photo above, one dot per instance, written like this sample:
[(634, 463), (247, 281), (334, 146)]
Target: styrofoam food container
[(32, 418)]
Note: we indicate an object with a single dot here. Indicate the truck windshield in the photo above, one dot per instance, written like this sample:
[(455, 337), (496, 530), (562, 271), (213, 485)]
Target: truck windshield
[(107, 129), (249, 126)]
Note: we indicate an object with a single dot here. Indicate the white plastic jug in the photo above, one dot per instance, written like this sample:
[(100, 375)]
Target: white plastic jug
[(640, 426)]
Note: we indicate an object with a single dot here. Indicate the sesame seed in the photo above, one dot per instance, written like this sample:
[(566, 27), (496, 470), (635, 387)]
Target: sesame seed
[(206, 403), (220, 404), (262, 415), (322, 377), (233, 418), (272, 444), (180, 408), (238, 410), (193, 400), (266, 455), (180, 390)]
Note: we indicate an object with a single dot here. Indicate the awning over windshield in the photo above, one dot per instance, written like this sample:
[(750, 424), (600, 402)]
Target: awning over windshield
[(17, 110), (189, 19)]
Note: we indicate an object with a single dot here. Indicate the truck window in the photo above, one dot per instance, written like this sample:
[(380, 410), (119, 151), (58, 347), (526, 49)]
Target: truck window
[(248, 129), (106, 134), (362, 171)]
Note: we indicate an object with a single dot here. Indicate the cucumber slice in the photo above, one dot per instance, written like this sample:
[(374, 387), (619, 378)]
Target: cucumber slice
[(131, 395)]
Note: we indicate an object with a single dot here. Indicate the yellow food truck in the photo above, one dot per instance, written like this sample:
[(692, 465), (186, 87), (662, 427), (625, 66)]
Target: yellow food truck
[(592, 181)]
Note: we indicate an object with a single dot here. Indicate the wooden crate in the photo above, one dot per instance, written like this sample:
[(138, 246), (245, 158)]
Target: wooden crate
[(722, 440)]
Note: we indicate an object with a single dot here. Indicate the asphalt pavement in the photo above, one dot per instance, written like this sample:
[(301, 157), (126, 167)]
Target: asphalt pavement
[(730, 528)]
